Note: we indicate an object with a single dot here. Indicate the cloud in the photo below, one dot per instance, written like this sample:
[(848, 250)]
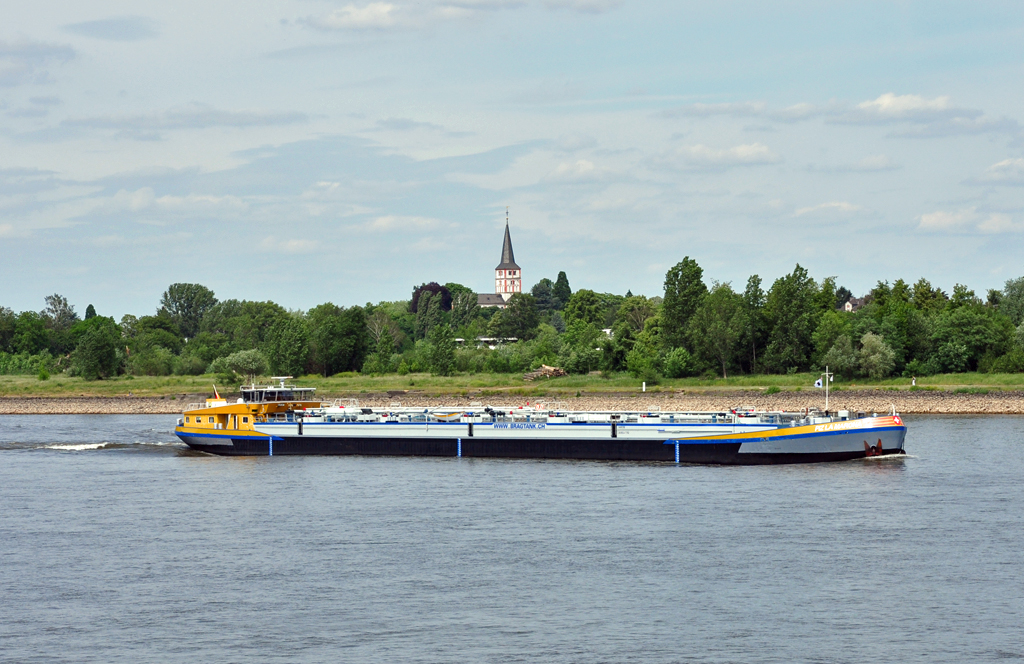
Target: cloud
[(1000, 223), (145, 199), (945, 220), (27, 180), (1007, 172), (397, 222), (750, 109), (584, 6), (927, 118), (835, 206), (406, 124), (379, 16), (23, 62), (28, 113), (966, 219), (374, 16), (923, 117), (890, 106), (961, 127), (275, 244), (737, 109), (195, 116), (870, 164), (45, 101), (123, 28), (483, 5), (702, 157), (581, 169)]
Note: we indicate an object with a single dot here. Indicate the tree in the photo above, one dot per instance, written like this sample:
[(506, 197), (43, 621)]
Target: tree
[(442, 351), (380, 323), (792, 316), (287, 346), (29, 333), (635, 311), (159, 330), (717, 325), (90, 311), (465, 310), (642, 359), (187, 304), (927, 299), (584, 305), (338, 338), (832, 325), (433, 288), (962, 335), (379, 362), (843, 296), (245, 322), (580, 353), (754, 336), (95, 356), (543, 292), (8, 321), (1012, 302), (840, 357), (684, 291), (59, 314), (561, 290), (962, 296), (249, 363), (518, 319), (876, 357)]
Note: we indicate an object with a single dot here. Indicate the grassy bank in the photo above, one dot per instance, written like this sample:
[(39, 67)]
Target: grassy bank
[(345, 384)]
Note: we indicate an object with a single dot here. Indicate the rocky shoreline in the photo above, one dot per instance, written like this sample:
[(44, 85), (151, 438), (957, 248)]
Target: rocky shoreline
[(869, 401)]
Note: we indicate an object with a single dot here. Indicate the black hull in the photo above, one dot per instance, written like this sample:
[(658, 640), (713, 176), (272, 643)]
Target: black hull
[(595, 450)]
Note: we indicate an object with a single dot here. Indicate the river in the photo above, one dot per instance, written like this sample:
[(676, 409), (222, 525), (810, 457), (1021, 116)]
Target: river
[(117, 545)]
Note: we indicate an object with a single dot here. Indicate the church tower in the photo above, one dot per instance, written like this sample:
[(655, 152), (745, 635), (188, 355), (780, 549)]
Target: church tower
[(508, 278)]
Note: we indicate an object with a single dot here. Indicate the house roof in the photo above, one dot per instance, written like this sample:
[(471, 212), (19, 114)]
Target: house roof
[(490, 300), (508, 259)]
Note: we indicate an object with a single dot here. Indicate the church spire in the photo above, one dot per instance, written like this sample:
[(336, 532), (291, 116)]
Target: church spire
[(508, 258)]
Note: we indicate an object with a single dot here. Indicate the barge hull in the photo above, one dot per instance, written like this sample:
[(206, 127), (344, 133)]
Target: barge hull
[(725, 452)]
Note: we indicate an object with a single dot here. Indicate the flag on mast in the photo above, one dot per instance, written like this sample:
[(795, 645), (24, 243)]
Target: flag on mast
[(216, 394), (818, 384)]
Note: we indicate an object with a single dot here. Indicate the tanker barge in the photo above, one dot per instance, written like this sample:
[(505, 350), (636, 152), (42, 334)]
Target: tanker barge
[(287, 420)]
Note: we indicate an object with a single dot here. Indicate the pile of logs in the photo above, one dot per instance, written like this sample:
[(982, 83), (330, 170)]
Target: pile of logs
[(545, 372)]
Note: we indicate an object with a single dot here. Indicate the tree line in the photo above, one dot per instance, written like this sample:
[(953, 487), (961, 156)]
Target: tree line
[(693, 328)]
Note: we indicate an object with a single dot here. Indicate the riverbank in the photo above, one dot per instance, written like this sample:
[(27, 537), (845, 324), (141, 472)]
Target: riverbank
[(867, 400)]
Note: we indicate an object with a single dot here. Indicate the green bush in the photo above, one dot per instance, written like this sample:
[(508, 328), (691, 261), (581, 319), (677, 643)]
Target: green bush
[(772, 389), (678, 363), (43, 374), (156, 361), (14, 364), (1012, 362), (190, 365)]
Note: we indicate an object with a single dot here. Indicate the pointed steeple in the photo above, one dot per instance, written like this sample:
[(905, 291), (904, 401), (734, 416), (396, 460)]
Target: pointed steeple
[(508, 258)]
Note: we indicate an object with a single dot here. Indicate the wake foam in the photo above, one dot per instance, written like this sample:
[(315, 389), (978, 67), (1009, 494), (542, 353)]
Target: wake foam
[(81, 447)]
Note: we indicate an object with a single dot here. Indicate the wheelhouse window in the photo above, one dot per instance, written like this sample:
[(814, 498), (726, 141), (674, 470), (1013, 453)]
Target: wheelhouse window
[(245, 420), (210, 420)]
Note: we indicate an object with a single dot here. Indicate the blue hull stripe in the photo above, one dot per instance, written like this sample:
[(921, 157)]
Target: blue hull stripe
[(768, 434)]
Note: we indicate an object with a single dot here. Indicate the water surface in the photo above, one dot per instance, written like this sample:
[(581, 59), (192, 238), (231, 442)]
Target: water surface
[(117, 545)]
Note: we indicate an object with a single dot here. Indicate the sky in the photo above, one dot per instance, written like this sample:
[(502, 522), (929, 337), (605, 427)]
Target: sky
[(307, 151)]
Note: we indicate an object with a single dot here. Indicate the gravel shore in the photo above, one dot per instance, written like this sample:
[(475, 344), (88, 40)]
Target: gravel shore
[(870, 401)]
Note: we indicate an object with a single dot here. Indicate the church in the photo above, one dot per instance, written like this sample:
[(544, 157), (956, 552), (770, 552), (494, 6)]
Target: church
[(508, 278)]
